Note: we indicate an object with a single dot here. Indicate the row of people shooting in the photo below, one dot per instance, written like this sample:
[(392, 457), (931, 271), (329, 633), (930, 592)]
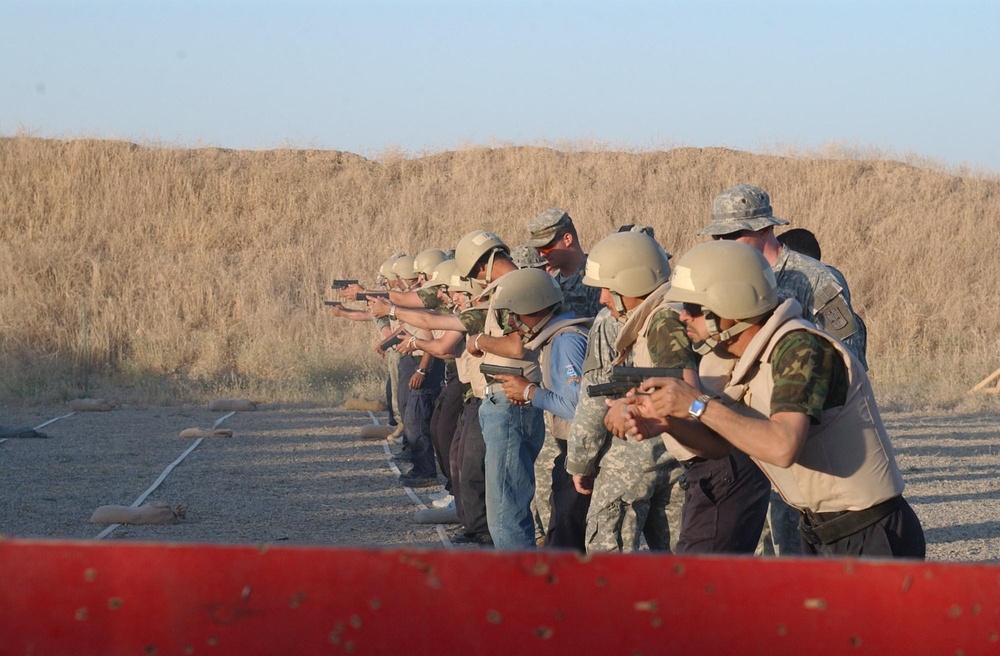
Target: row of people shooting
[(546, 384)]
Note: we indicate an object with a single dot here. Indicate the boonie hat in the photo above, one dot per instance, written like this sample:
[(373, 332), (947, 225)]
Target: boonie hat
[(743, 207), (546, 225)]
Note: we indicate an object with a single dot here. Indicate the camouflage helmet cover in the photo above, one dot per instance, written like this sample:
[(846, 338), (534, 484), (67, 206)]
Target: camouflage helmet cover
[(743, 207), (728, 278), (527, 257)]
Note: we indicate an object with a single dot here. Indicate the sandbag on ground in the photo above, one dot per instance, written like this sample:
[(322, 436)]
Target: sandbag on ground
[(436, 516), (364, 404), (90, 405), (157, 512), (374, 432), (206, 432), (229, 405)]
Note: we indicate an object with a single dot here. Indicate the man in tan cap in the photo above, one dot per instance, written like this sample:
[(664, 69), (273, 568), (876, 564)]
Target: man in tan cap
[(554, 236)]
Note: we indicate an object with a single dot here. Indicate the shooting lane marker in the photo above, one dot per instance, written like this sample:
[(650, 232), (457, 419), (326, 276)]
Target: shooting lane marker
[(409, 492), (138, 502), (44, 424)]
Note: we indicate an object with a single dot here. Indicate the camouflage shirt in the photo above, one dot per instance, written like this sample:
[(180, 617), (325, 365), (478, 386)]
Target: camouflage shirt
[(588, 437), (473, 320), (583, 300), (809, 375), (668, 342), (429, 298), (799, 276)]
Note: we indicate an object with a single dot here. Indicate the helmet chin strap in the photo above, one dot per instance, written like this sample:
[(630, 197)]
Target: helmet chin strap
[(489, 265), (619, 304), (714, 336), (529, 333)]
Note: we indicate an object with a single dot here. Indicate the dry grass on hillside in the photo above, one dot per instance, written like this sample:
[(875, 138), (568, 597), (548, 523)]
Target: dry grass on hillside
[(168, 274)]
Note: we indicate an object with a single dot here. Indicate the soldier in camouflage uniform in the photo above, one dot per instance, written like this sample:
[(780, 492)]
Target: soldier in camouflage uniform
[(630, 481), (554, 238), (724, 500), (743, 213), (807, 414)]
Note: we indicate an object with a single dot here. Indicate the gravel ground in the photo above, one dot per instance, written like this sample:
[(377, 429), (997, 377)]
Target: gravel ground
[(302, 475)]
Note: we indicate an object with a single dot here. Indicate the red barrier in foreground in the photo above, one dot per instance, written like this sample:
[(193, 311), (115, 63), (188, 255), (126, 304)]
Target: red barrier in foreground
[(103, 598)]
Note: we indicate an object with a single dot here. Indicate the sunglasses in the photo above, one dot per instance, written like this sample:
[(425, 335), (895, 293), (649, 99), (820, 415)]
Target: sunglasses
[(692, 309), (732, 236)]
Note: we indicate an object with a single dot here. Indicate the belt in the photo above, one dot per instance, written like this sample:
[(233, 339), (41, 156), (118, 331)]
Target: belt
[(688, 464), (493, 388), (827, 528)]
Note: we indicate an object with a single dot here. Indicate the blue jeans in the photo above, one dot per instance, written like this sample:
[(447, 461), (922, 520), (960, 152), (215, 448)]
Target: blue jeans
[(513, 436)]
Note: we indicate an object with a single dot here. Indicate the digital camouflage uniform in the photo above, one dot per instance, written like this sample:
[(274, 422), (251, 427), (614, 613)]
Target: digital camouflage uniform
[(631, 496), (799, 276)]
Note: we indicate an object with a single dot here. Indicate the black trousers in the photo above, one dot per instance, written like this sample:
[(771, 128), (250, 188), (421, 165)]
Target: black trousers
[(568, 523), (897, 535), (725, 504), (444, 419), (473, 478)]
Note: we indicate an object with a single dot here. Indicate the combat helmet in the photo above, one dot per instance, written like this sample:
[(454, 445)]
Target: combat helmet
[(473, 246), (526, 291), (426, 260), (441, 275), (527, 257), (403, 268), (728, 280), (385, 272), (628, 263), (743, 207)]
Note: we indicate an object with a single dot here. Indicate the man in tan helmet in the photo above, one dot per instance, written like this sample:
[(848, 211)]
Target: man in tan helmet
[(551, 383), (807, 414), (725, 500), (743, 213)]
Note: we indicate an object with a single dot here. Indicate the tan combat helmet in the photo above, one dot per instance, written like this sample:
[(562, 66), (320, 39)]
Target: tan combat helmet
[(628, 263), (526, 291), (743, 207), (426, 261), (728, 280), (385, 271), (441, 275), (473, 246), (403, 268)]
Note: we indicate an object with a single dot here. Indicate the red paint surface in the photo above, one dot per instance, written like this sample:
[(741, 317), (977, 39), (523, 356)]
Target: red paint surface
[(104, 598)]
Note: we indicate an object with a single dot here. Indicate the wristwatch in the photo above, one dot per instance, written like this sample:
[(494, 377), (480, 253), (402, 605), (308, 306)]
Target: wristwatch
[(698, 406)]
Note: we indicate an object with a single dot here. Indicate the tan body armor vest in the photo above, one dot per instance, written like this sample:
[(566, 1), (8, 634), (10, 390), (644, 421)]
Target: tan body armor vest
[(632, 341), (529, 365), (847, 462), (558, 426)]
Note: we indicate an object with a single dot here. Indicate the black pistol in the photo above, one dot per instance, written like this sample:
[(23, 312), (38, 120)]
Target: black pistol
[(499, 370), (625, 378), (340, 284), (390, 342)]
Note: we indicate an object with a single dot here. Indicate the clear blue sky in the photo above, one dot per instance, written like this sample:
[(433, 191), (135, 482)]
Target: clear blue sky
[(918, 77)]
